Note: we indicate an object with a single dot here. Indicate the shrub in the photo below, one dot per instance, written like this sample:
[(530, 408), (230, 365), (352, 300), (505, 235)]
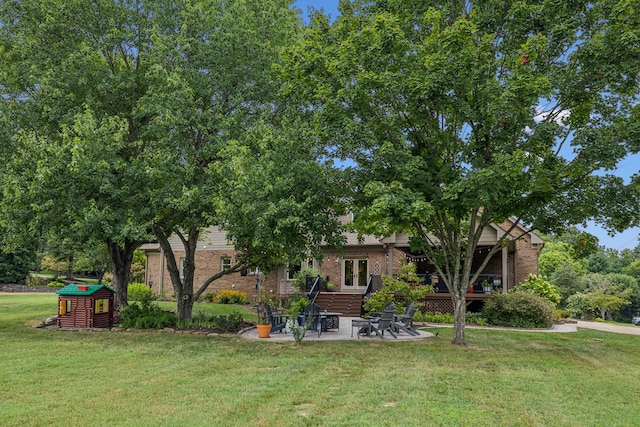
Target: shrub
[(136, 272), (145, 314), (231, 323), (226, 323), (542, 287), (401, 291), (578, 305), (300, 278), (35, 281), (55, 284), (436, 317), (475, 318), (208, 296), (519, 309), (139, 292), (231, 297), (378, 301)]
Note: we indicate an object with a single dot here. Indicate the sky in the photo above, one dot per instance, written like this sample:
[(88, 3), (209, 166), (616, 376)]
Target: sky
[(630, 166)]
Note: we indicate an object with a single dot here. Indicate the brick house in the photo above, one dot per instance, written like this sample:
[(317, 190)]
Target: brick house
[(350, 268)]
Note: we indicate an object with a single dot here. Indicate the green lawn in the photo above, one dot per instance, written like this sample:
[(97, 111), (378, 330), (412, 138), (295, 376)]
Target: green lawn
[(588, 378)]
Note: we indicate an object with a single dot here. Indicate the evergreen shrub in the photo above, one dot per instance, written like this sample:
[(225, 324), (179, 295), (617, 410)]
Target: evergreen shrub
[(519, 310)]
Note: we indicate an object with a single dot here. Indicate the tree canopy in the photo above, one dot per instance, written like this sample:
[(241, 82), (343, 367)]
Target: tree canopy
[(456, 115), (71, 81), (162, 120)]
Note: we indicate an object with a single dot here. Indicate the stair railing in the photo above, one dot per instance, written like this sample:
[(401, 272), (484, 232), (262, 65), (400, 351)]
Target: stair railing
[(374, 283), (315, 290)]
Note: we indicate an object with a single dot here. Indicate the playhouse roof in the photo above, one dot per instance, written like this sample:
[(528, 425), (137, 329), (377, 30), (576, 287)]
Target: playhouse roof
[(78, 289)]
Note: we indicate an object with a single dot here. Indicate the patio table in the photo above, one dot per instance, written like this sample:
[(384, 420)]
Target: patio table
[(328, 320), (363, 325)]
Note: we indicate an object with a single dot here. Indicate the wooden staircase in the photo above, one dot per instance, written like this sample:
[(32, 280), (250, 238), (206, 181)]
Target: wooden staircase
[(347, 304)]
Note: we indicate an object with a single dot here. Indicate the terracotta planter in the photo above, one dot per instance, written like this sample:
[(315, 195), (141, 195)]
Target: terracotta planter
[(263, 331)]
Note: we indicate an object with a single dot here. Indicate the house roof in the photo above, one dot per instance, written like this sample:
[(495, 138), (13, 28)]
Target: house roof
[(79, 290)]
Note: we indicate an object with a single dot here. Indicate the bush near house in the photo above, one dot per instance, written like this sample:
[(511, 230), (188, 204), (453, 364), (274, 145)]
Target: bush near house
[(139, 292), (519, 310), (144, 314), (231, 297), (540, 286), (401, 291)]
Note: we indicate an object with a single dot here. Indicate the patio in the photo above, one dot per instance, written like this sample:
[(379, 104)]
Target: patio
[(344, 332)]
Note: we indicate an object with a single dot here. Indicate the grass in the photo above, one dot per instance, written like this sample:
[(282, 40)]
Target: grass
[(588, 378)]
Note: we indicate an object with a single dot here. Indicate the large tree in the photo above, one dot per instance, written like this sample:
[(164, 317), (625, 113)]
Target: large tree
[(221, 151), (455, 115), (72, 75)]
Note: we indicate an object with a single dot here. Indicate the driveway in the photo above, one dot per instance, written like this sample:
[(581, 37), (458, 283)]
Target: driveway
[(629, 330)]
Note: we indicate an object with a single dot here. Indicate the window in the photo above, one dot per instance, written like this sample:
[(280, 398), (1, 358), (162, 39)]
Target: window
[(292, 270), (102, 306), (225, 262), (65, 307)]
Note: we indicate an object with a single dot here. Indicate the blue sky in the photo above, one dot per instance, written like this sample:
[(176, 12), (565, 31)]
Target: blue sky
[(630, 166)]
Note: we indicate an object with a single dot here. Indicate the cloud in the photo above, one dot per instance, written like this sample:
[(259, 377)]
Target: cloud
[(559, 117)]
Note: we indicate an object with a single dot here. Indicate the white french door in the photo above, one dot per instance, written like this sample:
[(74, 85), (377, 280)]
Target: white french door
[(355, 275)]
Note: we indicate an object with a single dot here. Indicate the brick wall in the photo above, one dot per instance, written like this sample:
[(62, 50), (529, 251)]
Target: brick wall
[(524, 260), (208, 263)]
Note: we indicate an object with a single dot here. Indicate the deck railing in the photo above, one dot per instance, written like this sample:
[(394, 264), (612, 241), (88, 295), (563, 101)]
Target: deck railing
[(439, 285)]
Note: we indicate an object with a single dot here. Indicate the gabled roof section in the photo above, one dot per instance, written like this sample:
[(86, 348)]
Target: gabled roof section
[(82, 290), (524, 231)]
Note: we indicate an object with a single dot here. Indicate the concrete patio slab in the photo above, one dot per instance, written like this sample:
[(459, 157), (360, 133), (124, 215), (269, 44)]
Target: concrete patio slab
[(343, 333)]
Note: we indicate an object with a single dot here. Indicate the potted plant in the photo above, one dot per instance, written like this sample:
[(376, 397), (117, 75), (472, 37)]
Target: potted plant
[(297, 308), (330, 286), (486, 286), (264, 323)]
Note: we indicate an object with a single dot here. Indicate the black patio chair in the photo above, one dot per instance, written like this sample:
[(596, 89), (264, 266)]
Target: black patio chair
[(404, 323), (278, 321), (402, 317), (384, 322)]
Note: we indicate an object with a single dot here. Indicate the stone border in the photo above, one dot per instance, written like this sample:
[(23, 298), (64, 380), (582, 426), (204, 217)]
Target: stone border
[(25, 288)]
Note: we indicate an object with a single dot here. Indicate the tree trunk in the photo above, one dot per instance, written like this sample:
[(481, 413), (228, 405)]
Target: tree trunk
[(70, 268), (459, 312), (185, 305), (182, 286), (122, 258)]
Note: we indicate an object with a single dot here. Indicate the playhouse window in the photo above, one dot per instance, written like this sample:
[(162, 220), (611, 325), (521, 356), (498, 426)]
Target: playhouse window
[(102, 306), (65, 307)]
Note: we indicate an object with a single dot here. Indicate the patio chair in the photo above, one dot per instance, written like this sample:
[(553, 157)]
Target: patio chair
[(278, 321), (406, 325), (384, 322), (403, 317), (312, 317)]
